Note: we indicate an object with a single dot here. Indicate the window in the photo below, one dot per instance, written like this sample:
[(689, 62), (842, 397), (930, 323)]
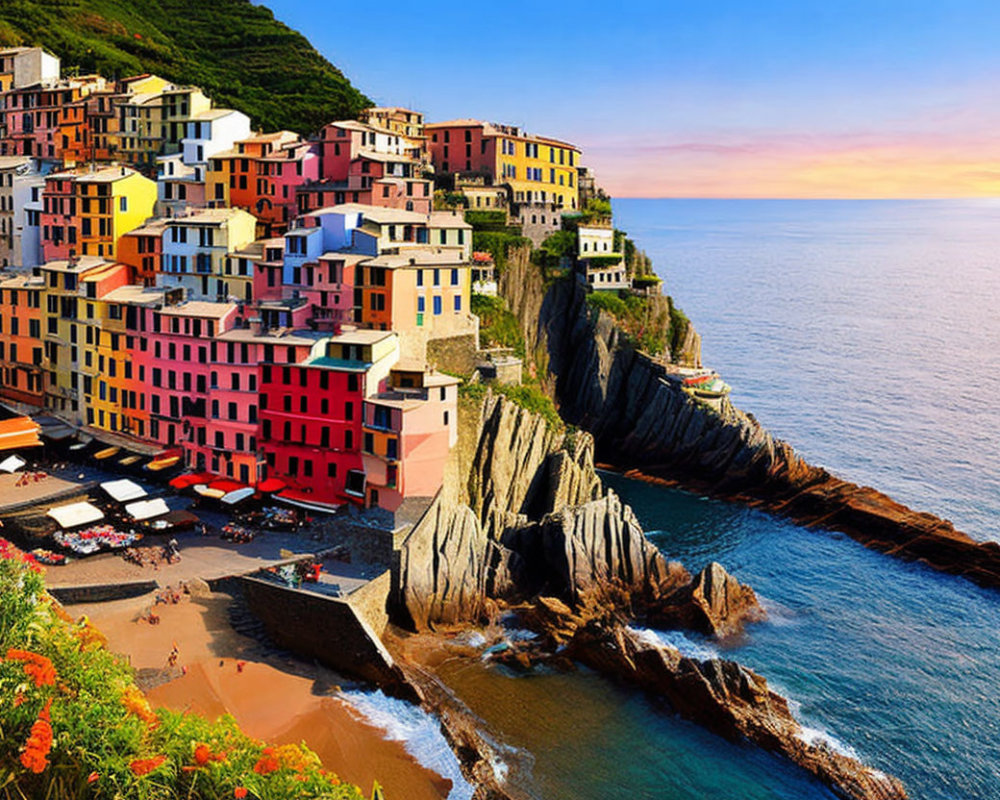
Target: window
[(331, 470), (454, 277), (458, 303), (369, 446), (421, 303), (437, 306), (123, 204)]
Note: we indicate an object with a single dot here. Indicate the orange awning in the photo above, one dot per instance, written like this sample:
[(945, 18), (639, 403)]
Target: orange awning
[(19, 432)]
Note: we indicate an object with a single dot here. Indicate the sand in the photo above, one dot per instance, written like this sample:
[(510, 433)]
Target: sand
[(274, 699)]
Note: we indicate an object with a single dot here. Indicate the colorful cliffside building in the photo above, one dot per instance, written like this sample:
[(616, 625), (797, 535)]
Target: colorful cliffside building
[(536, 168), (85, 212)]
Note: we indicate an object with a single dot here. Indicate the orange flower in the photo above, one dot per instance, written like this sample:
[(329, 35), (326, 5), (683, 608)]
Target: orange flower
[(36, 667), (136, 703), (239, 792), (143, 766), (267, 763), (202, 755), (36, 750), (93, 777)]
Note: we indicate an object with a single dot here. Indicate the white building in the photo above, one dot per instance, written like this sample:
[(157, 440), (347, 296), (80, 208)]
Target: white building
[(26, 66), (211, 132), (603, 266)]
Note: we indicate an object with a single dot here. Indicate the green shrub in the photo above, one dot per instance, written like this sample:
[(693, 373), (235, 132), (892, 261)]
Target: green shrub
[(487, 220), (498, 327), (498, 244), (75, 725)]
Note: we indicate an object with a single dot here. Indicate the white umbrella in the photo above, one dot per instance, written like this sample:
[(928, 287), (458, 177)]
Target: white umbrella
[(237, 495), (12, 464), (75, 514), (147, 509), (123, 490)]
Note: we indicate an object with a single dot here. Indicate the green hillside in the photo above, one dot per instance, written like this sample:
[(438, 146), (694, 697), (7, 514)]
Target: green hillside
[(236, 51)]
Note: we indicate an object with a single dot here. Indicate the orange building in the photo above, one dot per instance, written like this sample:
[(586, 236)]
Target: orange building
[(21, 353)]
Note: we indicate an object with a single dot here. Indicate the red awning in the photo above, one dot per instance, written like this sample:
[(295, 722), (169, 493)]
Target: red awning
[(271, 485), (225, 486), (189, 480)]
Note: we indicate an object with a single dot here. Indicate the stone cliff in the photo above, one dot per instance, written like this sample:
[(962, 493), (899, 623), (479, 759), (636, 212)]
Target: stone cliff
[(526, 525), (530, 515), (646, 424)]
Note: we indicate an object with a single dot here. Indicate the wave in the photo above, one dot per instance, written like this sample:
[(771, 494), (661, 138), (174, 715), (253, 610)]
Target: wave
[(686, 646), (419, 732)]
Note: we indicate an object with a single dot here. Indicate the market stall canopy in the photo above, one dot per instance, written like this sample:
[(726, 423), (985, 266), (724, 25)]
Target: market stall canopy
[(225, 486), (12, 464), (238, 495), (205, 491), (271, 485), (124, 490), (160, 464), (189, 480), (306, 501), (75, 514), (19, 432), (147, 509)]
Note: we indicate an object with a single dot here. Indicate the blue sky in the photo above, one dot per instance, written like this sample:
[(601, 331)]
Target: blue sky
[(701, 99)]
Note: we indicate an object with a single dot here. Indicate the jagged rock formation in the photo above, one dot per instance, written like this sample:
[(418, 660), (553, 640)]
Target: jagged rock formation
[(645, 423), (714, 603), (578, 550), (728, 699), (484, 546)]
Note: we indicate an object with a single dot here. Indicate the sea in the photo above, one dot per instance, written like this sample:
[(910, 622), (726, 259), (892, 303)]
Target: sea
[(867, 334)]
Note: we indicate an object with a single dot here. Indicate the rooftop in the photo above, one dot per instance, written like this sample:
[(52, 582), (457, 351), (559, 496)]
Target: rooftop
[(135, 295), (448, 219), (80, 264), (420, 256), (199, 308), (377, 214), (285, 336)]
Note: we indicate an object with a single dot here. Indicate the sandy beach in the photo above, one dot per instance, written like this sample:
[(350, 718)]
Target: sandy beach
[(277, 699)]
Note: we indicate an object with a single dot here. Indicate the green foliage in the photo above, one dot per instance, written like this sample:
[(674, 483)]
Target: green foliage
[(498, 244), (559, 245), (487, 220), (679, 324), (604, 262), (498, 327), (532, 399), (233, 49), (102, 725), (645, 321), (446, 200), (597, 208), (643, 281)]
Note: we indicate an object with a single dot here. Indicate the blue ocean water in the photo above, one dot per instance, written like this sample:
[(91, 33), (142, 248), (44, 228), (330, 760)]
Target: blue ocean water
[(865, 333)]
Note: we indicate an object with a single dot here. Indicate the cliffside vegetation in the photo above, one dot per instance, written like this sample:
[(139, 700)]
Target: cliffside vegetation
[(498, 327), (235, 50), (646, 321), (76, 726)]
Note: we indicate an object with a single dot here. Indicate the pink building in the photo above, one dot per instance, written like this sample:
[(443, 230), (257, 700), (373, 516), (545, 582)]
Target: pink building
[(407, 434)]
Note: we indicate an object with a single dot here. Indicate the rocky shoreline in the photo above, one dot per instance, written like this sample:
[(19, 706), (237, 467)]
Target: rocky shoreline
[(527, 527), (646, 426)]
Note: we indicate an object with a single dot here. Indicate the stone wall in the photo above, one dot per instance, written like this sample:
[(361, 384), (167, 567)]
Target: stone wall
[(328, 629), (456, 354)]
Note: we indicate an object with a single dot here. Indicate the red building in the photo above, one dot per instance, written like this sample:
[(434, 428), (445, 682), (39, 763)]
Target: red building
[(311, 415)]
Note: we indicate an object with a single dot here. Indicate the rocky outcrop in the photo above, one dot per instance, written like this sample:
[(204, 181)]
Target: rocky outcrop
[(714, 603), (645, 423), (578, 550), (461, 556), (728, 699), (723, 696)]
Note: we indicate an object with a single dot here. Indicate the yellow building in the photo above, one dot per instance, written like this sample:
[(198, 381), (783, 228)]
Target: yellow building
[(537, 169), (70, 319), (111, 202)]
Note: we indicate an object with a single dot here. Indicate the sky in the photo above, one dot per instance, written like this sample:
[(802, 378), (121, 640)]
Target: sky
[(728, 98)]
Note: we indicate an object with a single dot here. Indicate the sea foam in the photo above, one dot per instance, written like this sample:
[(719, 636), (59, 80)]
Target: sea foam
[(686, 646), (419, 732)]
